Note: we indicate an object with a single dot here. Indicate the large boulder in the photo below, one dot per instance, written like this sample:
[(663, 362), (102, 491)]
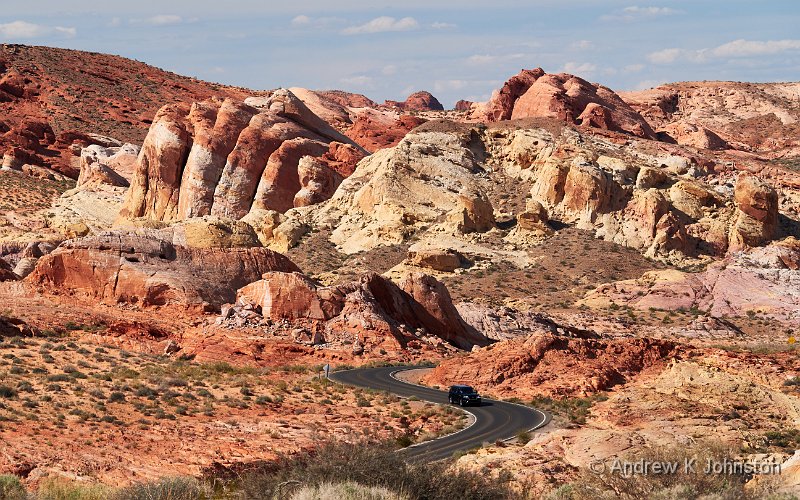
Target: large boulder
[(144, 268), (418, 101), (224, 158), (756, 218)]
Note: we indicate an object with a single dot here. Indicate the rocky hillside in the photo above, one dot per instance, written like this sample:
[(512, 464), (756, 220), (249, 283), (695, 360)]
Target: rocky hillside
[(51, 98), (755, 117)]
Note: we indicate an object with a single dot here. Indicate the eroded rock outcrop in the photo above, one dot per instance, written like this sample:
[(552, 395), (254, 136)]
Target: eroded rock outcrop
[(534, 93), (146, 268), (756, 218), (418, 101), (371, 309), (535, 365), (224, 158), (764, 280)]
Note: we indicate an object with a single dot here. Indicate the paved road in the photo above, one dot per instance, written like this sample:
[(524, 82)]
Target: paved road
[(494, 420)]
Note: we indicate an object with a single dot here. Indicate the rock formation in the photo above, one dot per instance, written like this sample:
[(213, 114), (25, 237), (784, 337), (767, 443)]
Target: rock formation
[(147, 269), (759, 280), (534, 365), (224, 158), (371, 309), (756, 218), (418, 101), (751, 117), (534, 93)]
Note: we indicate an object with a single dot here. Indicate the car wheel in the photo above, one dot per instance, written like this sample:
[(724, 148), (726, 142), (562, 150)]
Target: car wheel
[(460, 402), (450, 399)]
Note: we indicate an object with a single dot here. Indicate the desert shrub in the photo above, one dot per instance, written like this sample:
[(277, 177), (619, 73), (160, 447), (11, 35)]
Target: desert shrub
[(177, 488), (11, 488), (7, 392), (345, 491), (682, 484), (61, 489), (370, 466)]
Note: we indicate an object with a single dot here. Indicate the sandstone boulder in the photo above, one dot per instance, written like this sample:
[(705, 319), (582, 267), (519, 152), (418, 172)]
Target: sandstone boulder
[(143, 268), (756, 218), (318, 182), (445, 260), (688, 134), (473, 214), (418, 101)]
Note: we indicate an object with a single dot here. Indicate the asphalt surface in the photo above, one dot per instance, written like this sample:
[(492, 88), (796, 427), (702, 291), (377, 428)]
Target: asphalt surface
[(493, 420)]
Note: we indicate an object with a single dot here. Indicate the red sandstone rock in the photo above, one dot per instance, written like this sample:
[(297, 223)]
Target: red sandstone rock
[(533, 93), (343, 158), (418, 101), (144, 269), (225, 158), (463, 105), (374, 131), (373, 308), (536, 365), (318, 182)]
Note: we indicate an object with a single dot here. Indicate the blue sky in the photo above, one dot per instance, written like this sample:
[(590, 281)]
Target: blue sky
[(456, 50)]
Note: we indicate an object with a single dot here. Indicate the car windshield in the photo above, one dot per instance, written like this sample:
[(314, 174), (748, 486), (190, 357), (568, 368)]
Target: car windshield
[(468, 390)]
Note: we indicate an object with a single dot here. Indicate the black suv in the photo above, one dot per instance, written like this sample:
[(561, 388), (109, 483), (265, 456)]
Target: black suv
[(463, 395)]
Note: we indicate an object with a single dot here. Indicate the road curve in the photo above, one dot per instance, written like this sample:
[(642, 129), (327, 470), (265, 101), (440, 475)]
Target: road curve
[(493, 420)]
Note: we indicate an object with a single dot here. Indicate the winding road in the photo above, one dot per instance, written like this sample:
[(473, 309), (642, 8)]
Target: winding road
[(493, 420)]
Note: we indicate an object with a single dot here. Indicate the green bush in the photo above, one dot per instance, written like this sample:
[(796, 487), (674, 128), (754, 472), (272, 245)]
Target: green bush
[(11, 488)]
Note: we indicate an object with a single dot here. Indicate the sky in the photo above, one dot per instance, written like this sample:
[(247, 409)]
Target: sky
[(456, 50)]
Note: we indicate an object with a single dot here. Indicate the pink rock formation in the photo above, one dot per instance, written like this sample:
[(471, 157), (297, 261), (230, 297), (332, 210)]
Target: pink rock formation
[(533, 93)]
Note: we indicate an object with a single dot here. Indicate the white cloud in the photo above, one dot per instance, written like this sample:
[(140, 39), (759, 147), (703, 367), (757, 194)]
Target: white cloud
[(304, 21), (582, 45), (484, 59), (665, 56), (732, 50), (361, 81), (445, 85), (26, 30), (114, 22), (649, 11), (579, 69), (164, 20), (301, 20), (748, 48), (633, 68), (647, 84), (443, 26), (637, 13), (389, 70), (383, 24)]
